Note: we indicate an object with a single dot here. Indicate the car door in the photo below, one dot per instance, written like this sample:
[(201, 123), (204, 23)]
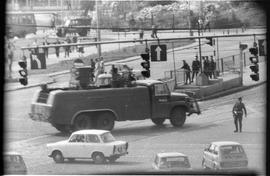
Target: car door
[(93, 144), (160, 100), (75, 146)]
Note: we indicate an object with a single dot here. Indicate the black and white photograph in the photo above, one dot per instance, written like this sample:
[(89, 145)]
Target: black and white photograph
[(133, 87)]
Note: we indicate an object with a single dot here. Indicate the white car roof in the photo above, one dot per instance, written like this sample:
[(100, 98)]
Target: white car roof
[(98, 132), (170, 154), (222, 143)]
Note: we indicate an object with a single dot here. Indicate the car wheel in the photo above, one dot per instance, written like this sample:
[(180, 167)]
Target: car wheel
[(158, 121), (105, 121), (98, 158), (178, 117), (112, 159), (82, 122), (58, 157)]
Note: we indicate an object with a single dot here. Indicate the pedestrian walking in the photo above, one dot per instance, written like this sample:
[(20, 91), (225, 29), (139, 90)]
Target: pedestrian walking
[(57, 48), (187, 72), (195, 67), (141, 33), (212, 68), (74, 40), (67, 48), (46, 50), (154, 32), (101, 63), (206, 65), (237, 111)]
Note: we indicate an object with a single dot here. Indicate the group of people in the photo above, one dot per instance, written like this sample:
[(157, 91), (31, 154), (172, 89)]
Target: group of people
[(208, 68), (67, 49)]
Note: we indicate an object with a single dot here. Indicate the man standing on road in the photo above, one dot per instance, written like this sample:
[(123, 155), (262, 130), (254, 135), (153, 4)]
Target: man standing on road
[(238, 114), (195, 67), (187, 72), (154, 32)]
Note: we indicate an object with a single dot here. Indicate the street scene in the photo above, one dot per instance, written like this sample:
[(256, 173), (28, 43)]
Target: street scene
[(135, 87)]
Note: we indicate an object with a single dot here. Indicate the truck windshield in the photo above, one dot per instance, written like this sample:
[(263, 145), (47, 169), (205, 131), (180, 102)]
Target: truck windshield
[(161, 89), (107, 137)]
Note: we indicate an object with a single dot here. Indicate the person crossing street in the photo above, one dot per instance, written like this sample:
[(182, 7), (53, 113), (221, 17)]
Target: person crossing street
[(237, 111)]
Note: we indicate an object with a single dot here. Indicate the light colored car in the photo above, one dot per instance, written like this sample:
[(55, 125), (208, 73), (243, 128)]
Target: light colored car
[(14, 164), (98, 145), (224, 155), (171, 161)]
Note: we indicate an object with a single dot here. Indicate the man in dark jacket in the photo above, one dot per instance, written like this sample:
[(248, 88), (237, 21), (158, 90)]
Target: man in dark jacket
[(187, 72), (195, 67), (237, 111)]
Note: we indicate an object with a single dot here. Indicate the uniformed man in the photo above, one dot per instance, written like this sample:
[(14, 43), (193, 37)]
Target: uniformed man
[(238, 114)]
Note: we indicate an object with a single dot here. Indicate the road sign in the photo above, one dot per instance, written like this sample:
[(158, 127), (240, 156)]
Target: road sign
[(262, 47), (158, 53), (38, 61)]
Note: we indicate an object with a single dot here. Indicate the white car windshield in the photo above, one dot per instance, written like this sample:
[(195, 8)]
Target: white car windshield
[(107, 137)]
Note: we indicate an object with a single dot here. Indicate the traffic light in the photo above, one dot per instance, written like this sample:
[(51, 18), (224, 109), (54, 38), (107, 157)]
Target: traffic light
[(23, 72), (210, 42), (83, 75), (146, 65), (253, 51), (254, 67)]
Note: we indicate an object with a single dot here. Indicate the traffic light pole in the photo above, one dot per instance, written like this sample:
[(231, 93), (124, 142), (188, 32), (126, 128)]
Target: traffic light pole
[(241, 64)]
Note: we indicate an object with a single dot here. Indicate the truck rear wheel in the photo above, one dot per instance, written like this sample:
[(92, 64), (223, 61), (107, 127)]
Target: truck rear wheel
[(158, 121), (105, 121), (178, 117), (83, 121)]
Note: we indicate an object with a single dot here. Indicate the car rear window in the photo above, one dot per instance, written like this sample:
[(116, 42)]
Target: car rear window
[(231, 149)]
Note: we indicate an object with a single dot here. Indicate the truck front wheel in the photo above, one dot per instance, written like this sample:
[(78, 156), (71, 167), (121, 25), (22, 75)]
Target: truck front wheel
[(178, 117), (158, 121), (105, 121)]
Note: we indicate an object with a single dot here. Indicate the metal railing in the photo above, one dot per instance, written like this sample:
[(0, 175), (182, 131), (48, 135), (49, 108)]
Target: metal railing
[(229, 64)]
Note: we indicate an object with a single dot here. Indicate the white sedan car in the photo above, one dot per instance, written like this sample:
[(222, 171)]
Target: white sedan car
[(98, 145), (171, 161), (224, 155)]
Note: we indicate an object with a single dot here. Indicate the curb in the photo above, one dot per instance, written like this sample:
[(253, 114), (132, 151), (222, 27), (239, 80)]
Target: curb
[(230, 91)]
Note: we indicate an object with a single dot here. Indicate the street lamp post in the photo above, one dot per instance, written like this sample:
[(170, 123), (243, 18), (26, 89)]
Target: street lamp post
[(200, 51), (201, 79)]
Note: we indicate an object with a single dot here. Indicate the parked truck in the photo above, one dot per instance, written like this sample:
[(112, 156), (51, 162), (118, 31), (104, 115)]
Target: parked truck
[(98, 108)]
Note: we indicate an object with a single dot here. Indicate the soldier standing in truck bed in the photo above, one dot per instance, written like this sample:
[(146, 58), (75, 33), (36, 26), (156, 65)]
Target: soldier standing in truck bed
[(237, 111)]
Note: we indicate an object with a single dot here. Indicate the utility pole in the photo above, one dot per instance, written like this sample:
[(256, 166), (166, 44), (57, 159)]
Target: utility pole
[(241, 63), (98, 30)]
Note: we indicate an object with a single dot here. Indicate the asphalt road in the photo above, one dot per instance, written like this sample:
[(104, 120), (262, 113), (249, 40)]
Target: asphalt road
[(215, 123)]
